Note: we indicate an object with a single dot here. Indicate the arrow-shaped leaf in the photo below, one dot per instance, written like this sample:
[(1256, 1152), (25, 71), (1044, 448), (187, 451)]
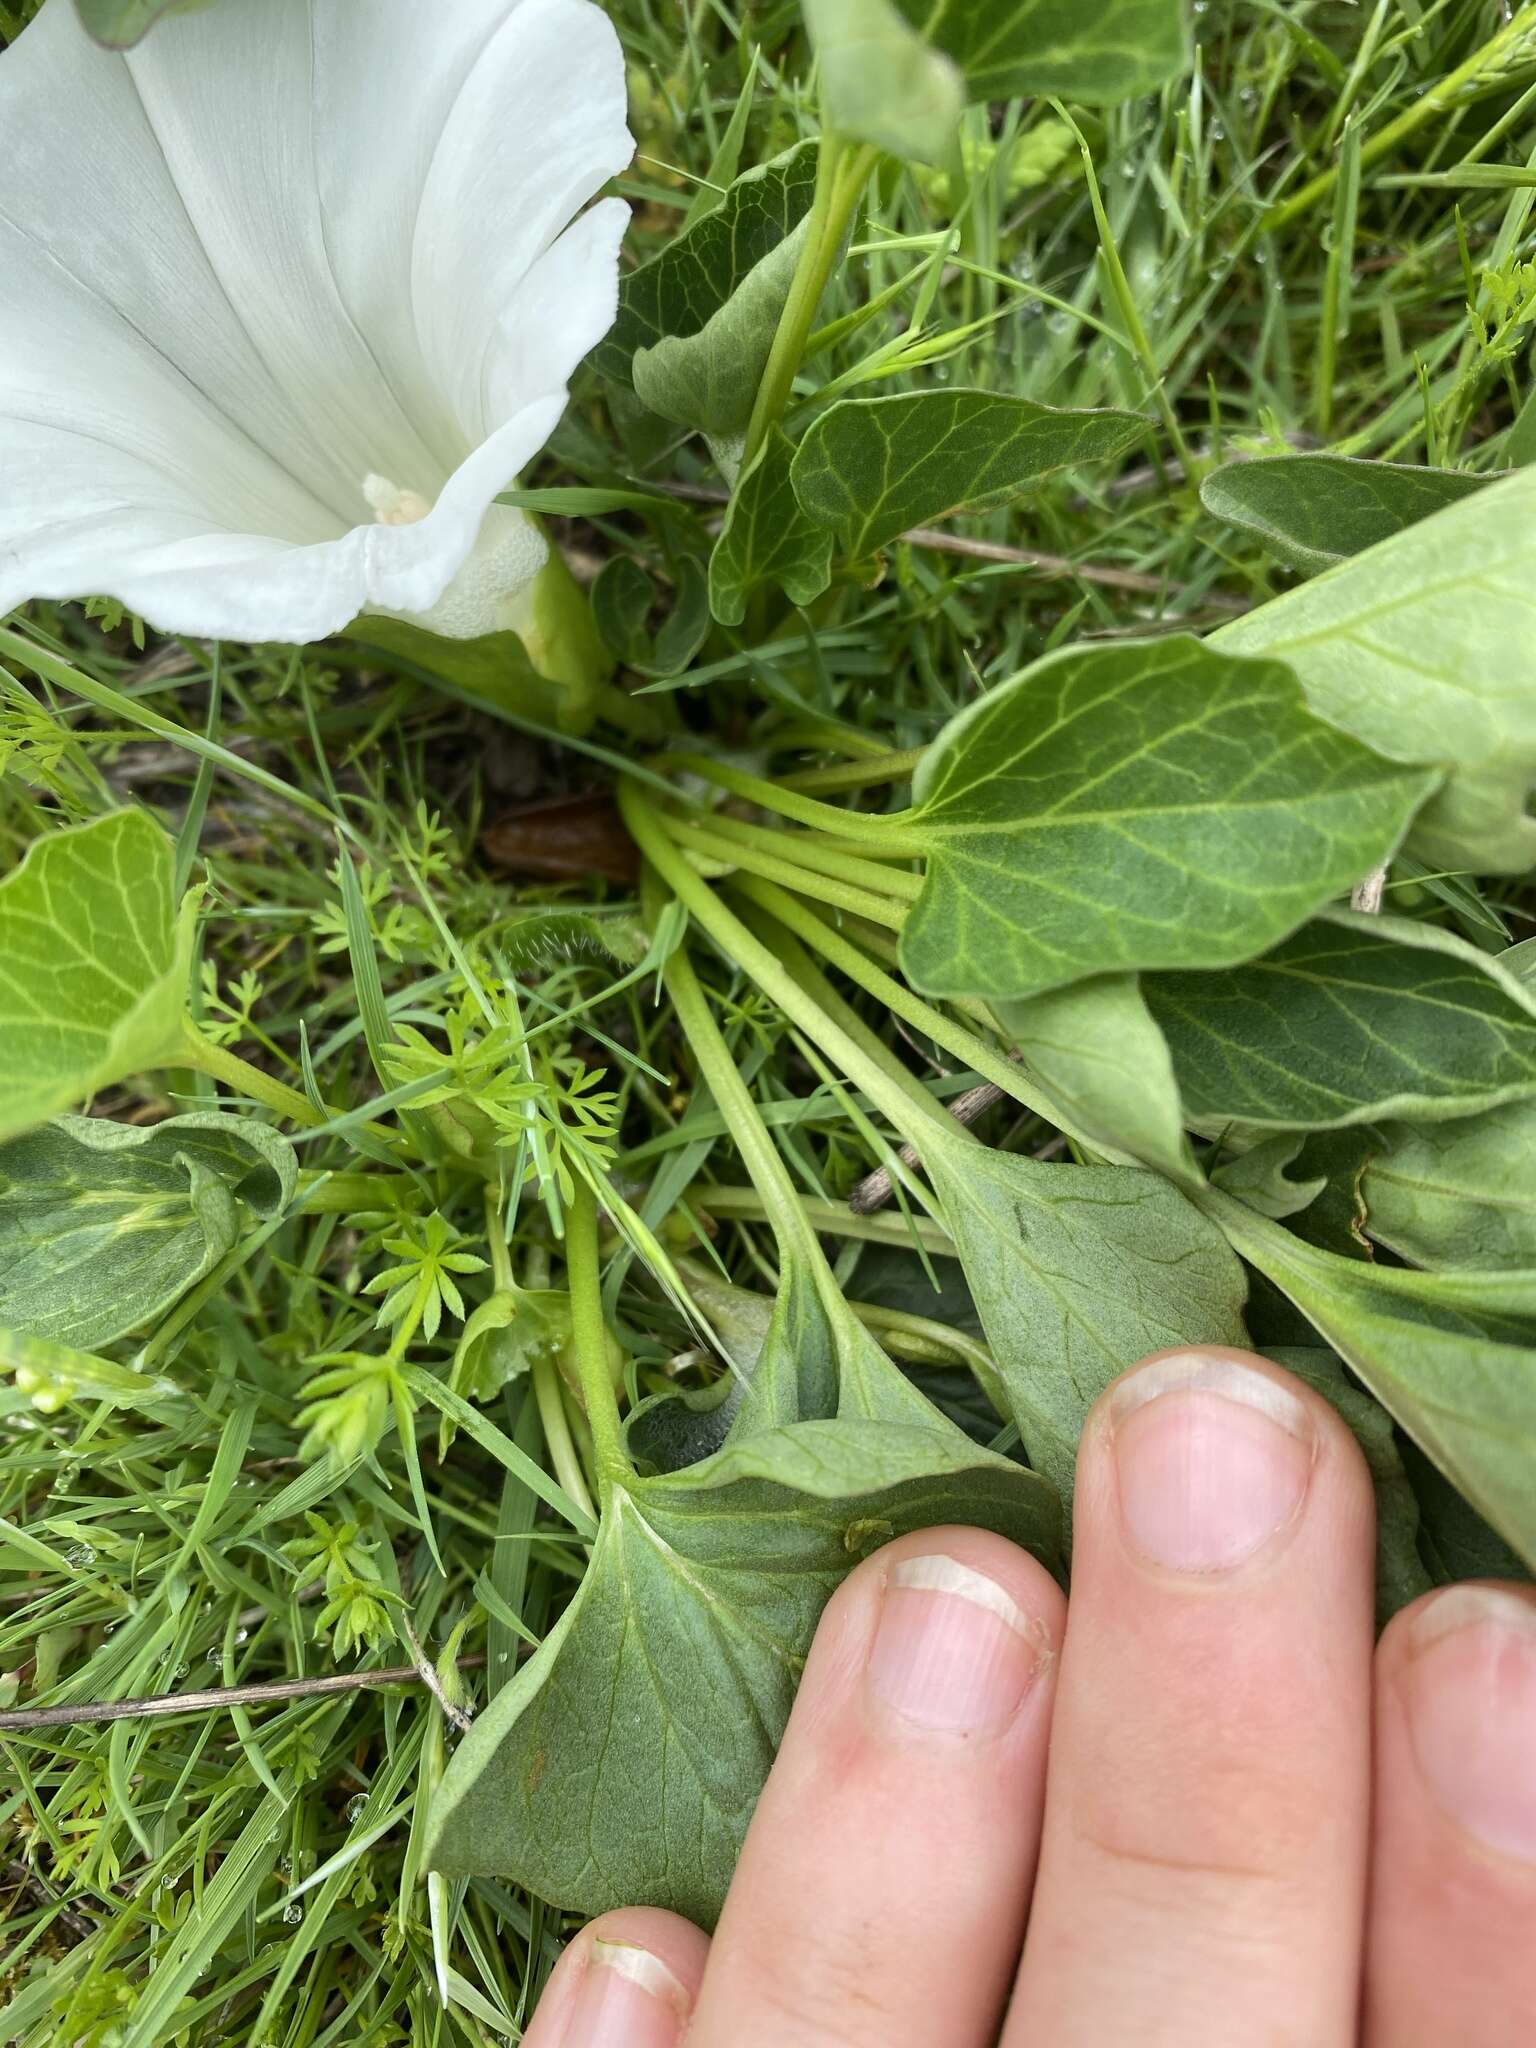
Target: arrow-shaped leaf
[(1350, 1020), (624, 1761), (103, 1226), (93, 968), (1425, 648), (870, 468), (1149, 804), (1313, 511)]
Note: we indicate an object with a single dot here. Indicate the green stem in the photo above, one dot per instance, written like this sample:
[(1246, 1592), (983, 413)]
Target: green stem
[(982, 1058), (563, 1455), (812, 851), (712, 846), (340, 1194), (841, 175), (929, 1343), (502, 1276), (816, 985), (805, 810), (733, 1099), (863, 774), (590, 1335), (1441, 95), (220, 1064), (834, 1219), (738, 944)]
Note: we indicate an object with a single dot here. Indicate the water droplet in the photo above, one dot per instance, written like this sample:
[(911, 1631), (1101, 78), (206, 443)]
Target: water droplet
[(80, 1558), (168, 1883), (215, 1656), (293, 1912), (242, 1635), (357, 1807)]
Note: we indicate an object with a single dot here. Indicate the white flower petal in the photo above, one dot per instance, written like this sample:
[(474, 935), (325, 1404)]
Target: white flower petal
[(538, 129), (284, 247)]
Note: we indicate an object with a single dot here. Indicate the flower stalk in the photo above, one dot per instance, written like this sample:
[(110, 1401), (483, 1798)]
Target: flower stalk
[(842, 172)]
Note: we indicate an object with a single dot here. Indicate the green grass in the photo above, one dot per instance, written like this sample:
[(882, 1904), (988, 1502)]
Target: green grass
[(253, 1875)]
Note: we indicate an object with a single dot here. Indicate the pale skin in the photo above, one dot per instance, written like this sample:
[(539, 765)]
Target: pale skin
[(1201, 1805)]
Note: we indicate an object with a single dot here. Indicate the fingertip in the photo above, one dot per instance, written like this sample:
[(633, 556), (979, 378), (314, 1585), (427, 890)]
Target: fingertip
[(1461, 1665), (986, 1572), (629, 1979), (1262, 1443)]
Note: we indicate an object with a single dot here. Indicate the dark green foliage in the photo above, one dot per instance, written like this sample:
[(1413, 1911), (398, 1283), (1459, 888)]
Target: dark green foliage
[(1312, 511)]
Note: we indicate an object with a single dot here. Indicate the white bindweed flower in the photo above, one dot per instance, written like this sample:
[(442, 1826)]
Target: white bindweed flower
[(288, 295)]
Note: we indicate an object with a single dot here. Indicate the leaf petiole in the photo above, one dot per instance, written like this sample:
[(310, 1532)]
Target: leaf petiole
[(739, 944), (220, 1064), (590, 1332), (842, 172), (840, 892), (804, 810), (954, 1037)]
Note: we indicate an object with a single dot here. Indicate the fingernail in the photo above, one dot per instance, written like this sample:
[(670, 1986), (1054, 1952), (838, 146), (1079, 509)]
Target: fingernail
[(628, 1999), (1470, 1687), (1213, 1459), (953, 1650)]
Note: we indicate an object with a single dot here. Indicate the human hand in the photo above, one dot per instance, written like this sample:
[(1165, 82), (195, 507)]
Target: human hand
[(1169, 1803)]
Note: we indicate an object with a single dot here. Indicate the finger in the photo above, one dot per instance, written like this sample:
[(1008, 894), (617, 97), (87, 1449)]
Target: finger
[(880, 1898), (629, 1980), (1451, 1936), (1202, 1869)]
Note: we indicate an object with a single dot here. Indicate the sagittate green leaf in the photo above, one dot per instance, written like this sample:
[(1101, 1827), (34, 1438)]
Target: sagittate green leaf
[(1448, 1355), (1078, 1271), (1095, 51), (675, 309), (103, 1226), (1457, 1194), (1313, 511), (93, 968), (1349, 1020), (767, 539), (1425, 648), (623, 1763), (1101, 1058), (870, 468), (881, 81), (1147, 804)]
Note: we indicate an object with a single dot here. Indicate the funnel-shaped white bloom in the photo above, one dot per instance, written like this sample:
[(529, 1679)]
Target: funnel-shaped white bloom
[(288, 295)]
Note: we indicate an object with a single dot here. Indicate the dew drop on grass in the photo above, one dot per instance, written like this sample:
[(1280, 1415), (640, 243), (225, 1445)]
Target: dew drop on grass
[(293, 1912), (357, 1807)]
